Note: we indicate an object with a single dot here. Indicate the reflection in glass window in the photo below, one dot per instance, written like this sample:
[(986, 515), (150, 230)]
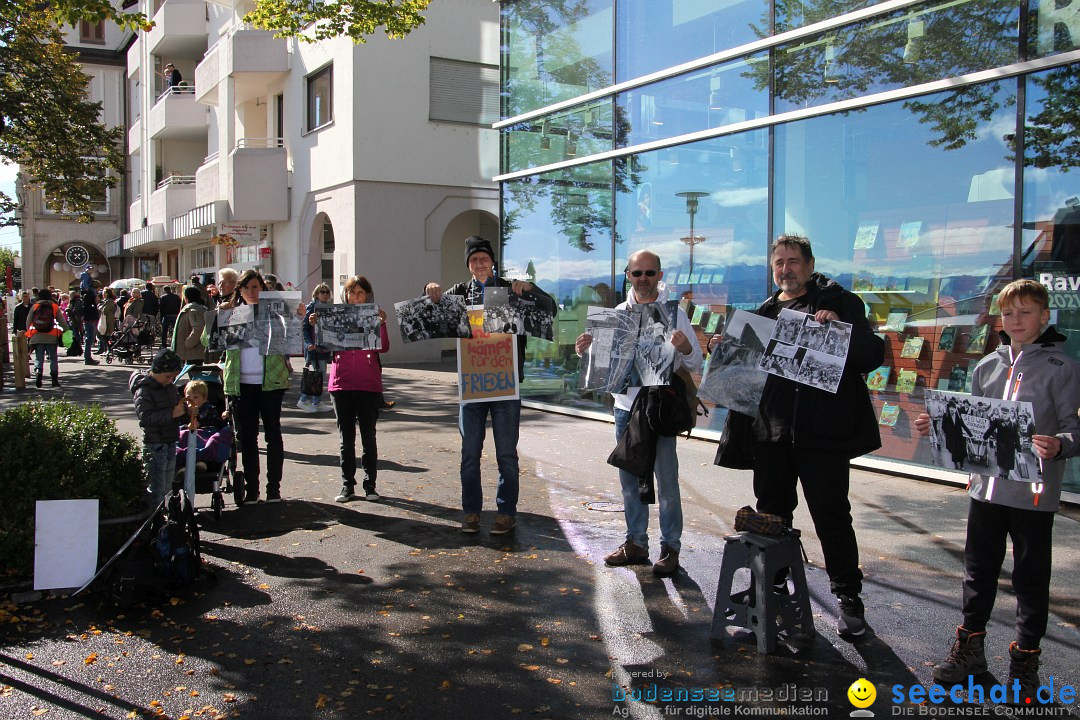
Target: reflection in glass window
[(1054, 27), (320, 98), (1051, 225), (655, 34), (696, 101), (920, 228), (557, 233), (908, 47), (554, 50), (579, 132)]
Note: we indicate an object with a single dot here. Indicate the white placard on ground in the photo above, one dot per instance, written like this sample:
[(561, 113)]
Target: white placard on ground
[(65, 543)]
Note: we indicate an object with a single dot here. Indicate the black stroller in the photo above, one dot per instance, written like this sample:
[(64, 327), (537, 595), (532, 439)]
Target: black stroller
[(218, 478), (131, 342)]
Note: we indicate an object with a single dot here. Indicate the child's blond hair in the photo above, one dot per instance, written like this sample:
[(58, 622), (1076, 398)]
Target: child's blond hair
[(197, 387), (1019, 290)]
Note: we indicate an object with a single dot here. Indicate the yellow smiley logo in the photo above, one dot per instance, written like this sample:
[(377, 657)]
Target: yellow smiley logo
[(862, 693)]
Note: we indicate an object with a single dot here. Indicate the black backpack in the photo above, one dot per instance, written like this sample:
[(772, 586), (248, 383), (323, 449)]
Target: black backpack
[(673, 409), (176, 542)]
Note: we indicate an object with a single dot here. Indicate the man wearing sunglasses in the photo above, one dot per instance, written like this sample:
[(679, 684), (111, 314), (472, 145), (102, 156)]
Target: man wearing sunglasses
[(646, 280)]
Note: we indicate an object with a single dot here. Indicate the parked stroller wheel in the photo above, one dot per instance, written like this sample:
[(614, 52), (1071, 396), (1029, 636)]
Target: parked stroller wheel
[(108, 359), (216, 504), (238, 487)]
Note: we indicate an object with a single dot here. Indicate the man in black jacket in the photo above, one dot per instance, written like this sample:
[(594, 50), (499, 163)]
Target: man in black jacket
[(505, 414), (169, 306), (803, 433)]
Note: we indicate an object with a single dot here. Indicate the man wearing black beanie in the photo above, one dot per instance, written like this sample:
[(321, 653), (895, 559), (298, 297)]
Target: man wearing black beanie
[(505, 414)]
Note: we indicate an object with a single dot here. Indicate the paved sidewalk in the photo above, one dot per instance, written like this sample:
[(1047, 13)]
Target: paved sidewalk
[(318, 609)]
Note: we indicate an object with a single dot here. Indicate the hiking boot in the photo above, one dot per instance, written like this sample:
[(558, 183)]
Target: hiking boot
[(1023, 668), (471, 523), (627, 554), (345, 495), (852, 622), (503, 524), (965, 658), (668, 564)]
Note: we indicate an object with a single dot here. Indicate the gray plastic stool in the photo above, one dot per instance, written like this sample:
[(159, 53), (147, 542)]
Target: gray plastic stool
[(762, 610)]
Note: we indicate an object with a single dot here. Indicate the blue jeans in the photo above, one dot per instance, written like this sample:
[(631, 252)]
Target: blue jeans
[(160, 459), (40, 350), (636, 512), (505, 421)]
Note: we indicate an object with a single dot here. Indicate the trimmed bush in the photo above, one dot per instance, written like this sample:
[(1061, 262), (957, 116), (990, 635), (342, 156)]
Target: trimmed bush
[(63, 451)]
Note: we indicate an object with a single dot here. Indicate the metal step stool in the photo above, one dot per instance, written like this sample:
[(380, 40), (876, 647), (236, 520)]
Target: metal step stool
[(761, 609)]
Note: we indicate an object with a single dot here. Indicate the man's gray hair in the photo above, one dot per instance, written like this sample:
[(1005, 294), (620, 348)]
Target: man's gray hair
[(227, 274)]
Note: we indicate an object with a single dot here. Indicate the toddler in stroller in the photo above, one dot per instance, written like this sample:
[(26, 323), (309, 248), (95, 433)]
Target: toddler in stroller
[(210, 425), (126, 343)]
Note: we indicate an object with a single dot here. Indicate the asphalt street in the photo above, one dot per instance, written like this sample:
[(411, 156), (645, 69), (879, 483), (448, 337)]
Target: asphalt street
[(314, 609)]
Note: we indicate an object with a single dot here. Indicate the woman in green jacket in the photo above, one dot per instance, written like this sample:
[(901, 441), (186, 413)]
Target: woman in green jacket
[(255, 385)]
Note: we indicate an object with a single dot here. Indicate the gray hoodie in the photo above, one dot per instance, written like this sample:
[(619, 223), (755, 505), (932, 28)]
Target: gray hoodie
[(1051, 383)]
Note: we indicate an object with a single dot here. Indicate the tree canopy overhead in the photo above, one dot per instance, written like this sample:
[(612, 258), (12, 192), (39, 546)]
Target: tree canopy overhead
[(313, 21)]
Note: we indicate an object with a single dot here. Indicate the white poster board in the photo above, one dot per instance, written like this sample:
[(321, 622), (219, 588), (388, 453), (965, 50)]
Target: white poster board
[(65, 543)]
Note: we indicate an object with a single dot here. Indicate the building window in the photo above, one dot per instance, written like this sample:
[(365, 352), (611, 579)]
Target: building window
[(328, 254), (465, 92), (92, 32), (320, 98)]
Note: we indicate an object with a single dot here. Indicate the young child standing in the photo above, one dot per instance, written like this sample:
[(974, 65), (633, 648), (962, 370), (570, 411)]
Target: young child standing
[(356, 386), (158, 406), (1030, 365)]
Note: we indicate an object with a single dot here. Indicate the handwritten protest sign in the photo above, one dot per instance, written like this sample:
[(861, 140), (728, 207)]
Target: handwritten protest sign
[(487, 363)]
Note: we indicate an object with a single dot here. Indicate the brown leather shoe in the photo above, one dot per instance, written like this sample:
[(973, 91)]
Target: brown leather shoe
[(627, 554), (668, 564)]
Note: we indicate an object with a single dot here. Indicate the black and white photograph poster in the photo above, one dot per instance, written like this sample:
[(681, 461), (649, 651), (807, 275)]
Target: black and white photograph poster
[(525, 314), (655, 353), (609, 360), (422, 319), (232, 328), (278, 327), (347, 327), (987, 436), (799, 340), (732, 377)]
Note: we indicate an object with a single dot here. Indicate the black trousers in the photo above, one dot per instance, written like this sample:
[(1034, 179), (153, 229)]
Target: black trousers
[(824, 476), (352, 408), (1032, 536), (255, 403)]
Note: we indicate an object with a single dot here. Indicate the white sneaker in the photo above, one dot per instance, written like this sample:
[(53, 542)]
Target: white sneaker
[(307, 406)]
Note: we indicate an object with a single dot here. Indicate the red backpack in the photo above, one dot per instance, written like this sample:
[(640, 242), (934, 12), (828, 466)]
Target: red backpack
[(44, 316)]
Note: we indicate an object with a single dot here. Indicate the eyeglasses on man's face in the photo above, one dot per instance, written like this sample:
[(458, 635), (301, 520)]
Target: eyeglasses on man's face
[(646, 273)]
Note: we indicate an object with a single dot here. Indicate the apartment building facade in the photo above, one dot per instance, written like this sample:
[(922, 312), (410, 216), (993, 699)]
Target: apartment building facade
[(314, 161)]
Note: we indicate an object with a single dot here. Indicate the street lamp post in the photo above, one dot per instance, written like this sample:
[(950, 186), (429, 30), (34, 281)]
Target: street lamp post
[(692, 197)]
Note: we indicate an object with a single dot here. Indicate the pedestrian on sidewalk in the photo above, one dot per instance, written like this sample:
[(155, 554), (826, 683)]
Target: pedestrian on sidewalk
[(505, 414), (808, 435), (314, 356), (1030, 365), (44, 326), (188, 331), (356, 386), (158, 406), (91, 316), (256, 384), (644, 273)]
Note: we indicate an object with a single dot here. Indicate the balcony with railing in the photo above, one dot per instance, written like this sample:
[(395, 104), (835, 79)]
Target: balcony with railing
[(208, 181), (135, 135), (134, 57), (176, 115), (180, 29), (253, 58), (258, 180), (175, 195)]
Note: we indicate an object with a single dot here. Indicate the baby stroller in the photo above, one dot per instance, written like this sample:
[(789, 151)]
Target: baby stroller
[(127, 342), (218, 478)]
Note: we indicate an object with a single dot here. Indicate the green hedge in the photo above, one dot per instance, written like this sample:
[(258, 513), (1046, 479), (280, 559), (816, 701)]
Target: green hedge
[(63, 451)]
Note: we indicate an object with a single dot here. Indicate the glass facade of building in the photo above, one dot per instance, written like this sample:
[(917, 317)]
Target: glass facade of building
[(925, 149)]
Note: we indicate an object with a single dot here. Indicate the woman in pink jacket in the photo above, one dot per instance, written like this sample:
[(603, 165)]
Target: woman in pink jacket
[(356, 386)]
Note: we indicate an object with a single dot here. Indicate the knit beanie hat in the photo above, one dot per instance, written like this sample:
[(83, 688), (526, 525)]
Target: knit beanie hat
[(166, 361), (477, 244)]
